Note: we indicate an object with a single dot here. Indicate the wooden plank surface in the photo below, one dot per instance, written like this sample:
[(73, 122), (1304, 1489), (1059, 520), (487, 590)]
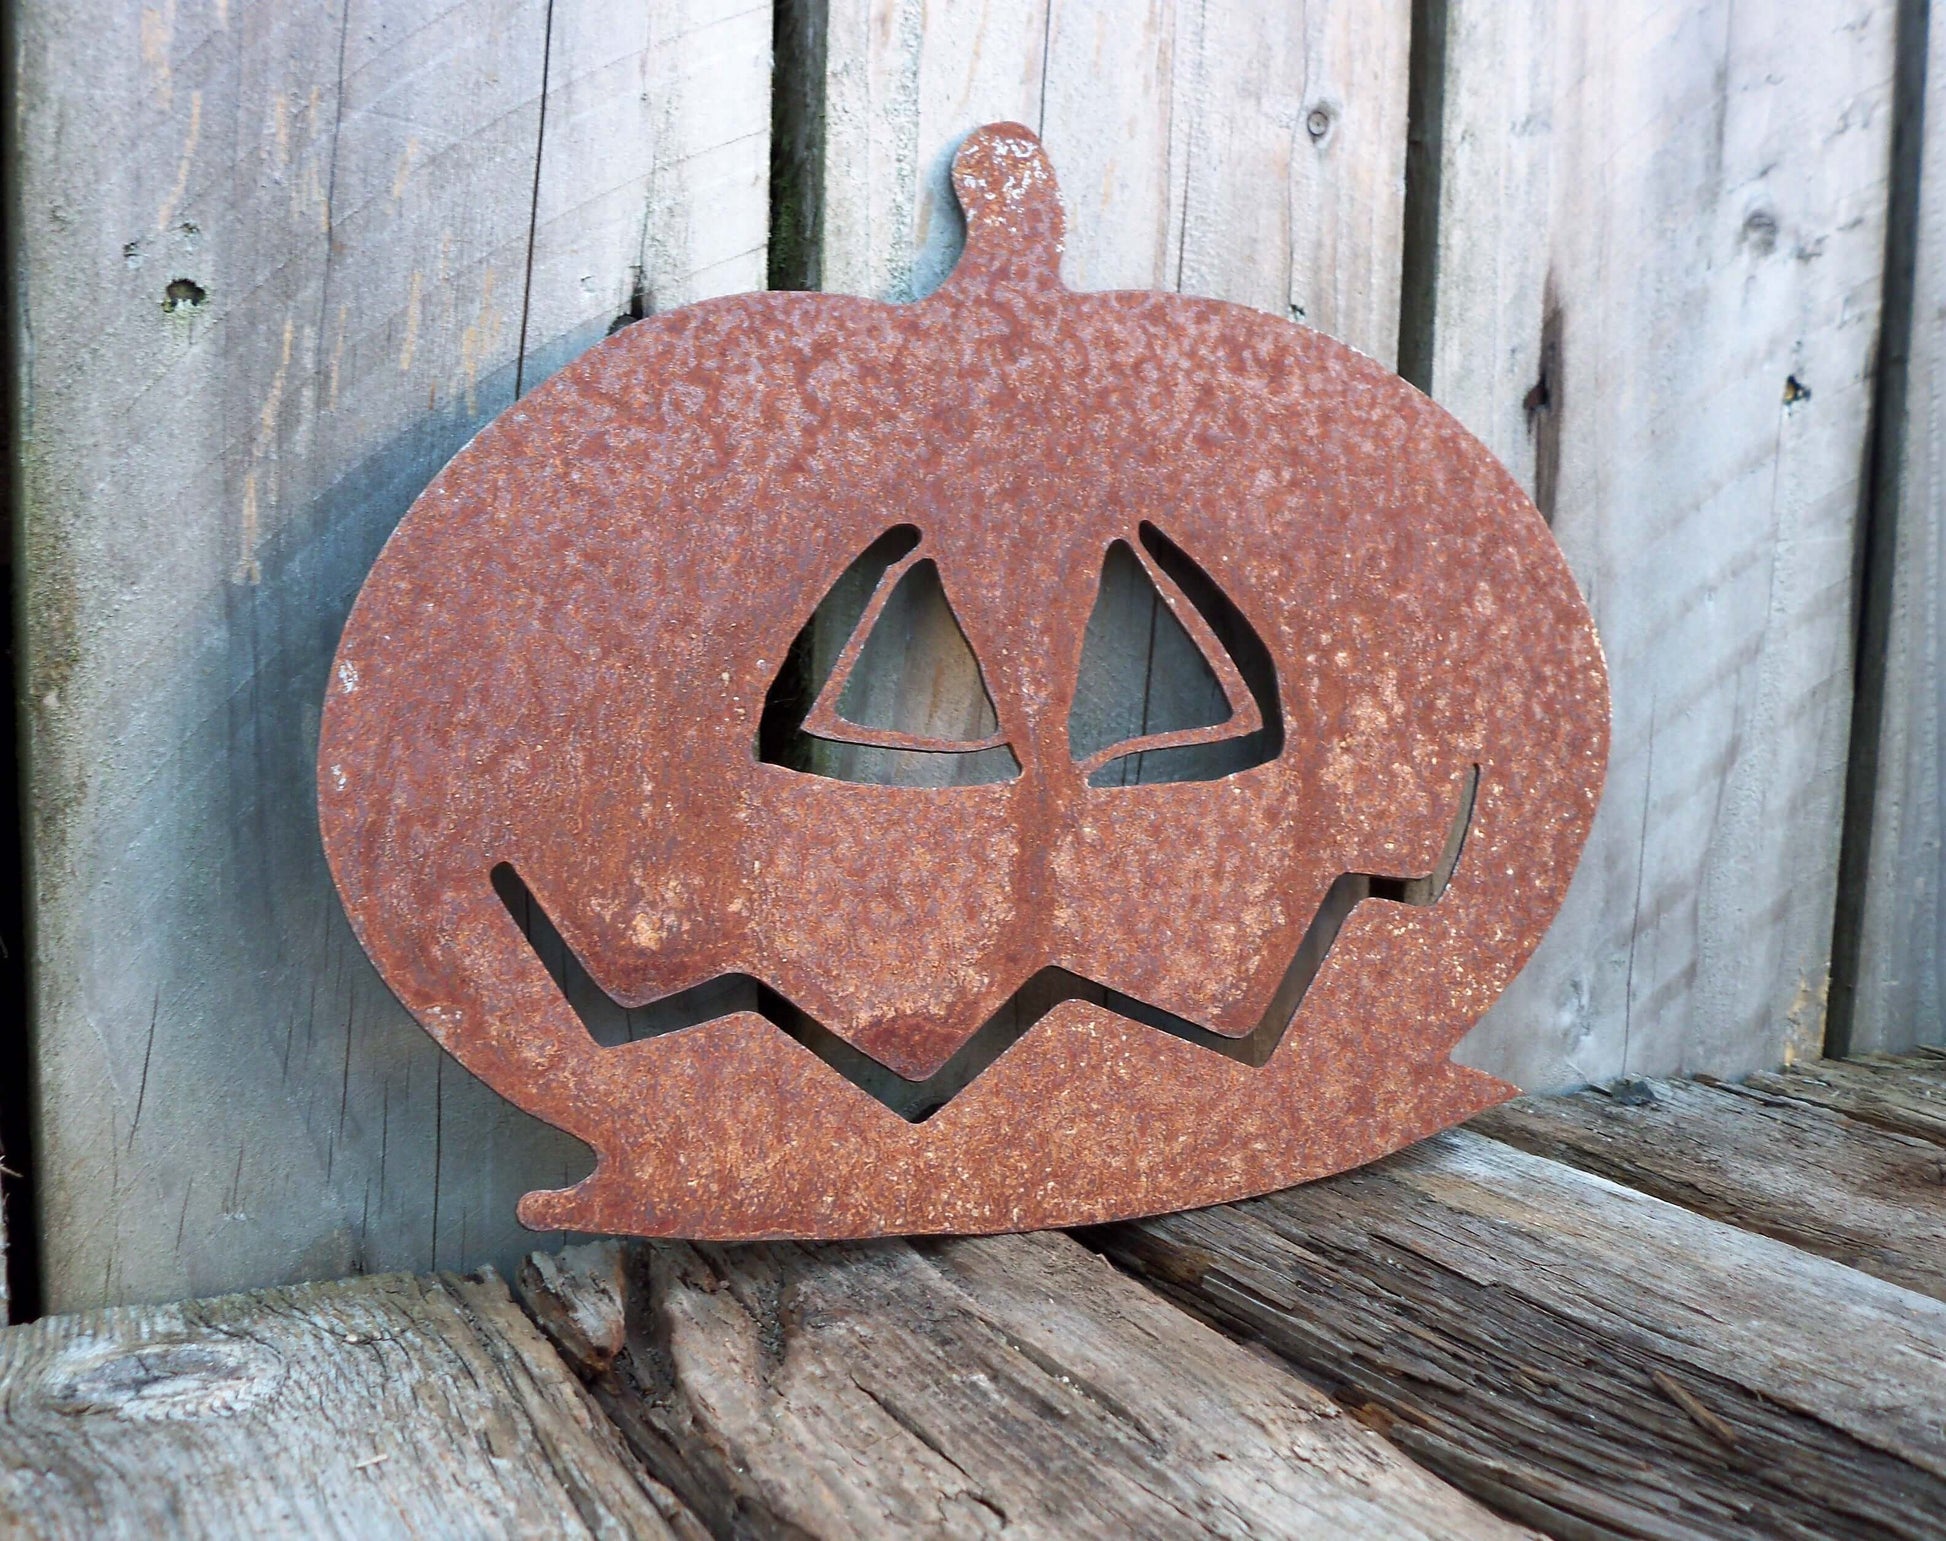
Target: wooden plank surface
[(1576, 1355), (1899, 996), (383, 1407), (1586, 1358), (1240, 150), (1904, 1096), (278, 263), (967, 1388), (1773, 1164), (1661, 238)]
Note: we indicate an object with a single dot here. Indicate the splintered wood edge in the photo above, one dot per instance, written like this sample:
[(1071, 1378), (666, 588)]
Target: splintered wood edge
[(847, 1388)]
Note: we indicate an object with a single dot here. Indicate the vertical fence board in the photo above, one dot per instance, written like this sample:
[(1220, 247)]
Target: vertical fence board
[(1182, 136), (275, 271), (1660, 245), (1490, 262), (1291, 162), (904, 81), (1900, 995)]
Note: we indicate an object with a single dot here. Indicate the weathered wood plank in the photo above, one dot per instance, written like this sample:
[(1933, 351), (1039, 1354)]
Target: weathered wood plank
[(1899, 994), (1184, 137), (390, 1406), (1491, 137), (970, 1387), (653, 192), (1586, 1358), (1905, 1096), (278, 263), (1806, 1175), (1660, 245), (1249, 152)]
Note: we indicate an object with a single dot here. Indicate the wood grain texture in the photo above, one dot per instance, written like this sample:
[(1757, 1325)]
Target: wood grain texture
[(1585, 1358), (1661, 239), (579, 1298), (278, 263), (1899, 995), (1870, 1198), (1011, 1385), (1246, 151), (383, 1407), (1903, 1096)]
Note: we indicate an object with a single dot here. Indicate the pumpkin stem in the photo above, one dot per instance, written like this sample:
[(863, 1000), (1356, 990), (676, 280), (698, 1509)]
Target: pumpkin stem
[(1007, 189)]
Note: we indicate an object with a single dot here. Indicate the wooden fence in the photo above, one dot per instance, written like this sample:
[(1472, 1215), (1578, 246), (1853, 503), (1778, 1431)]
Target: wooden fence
[(275, 263)]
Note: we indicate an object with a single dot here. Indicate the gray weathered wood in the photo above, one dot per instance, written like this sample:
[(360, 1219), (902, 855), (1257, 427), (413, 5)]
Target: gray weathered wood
[(276, 268), (1182, 137), (1785, 1168), (391, 1406), (1661, 237), (579, 1296), (1899, 997), (965, 1388), (1583, 1357), (1905, 1096)]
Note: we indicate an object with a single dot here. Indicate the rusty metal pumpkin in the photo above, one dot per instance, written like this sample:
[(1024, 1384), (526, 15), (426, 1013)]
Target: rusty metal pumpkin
[(1042, 998)]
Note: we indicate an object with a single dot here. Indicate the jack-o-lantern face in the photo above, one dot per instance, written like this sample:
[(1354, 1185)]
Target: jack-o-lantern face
[(1110, 970)]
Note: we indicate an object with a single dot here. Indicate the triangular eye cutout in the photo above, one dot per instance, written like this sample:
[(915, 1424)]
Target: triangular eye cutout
[(1174, 684), (912, 682), (897, 694), (1134, 638)]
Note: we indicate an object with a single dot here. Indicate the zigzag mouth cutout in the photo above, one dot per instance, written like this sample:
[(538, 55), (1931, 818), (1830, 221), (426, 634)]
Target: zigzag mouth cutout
[(917, 1101)]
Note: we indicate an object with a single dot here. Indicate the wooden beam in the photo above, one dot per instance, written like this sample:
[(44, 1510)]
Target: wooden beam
[(278, 264), (1904, 1096), (388, 1406), (1587, 1359), (1762, 1161), (964, 1387), (1660, 248)]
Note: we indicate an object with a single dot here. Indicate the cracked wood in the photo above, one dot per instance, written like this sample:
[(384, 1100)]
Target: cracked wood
[(389, 1406), (965, 1388), (1763, 1160), (1902, 1096), (1587, 1359)]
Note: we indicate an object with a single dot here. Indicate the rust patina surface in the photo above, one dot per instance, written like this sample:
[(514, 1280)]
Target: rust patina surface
[(1027, 1002)]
